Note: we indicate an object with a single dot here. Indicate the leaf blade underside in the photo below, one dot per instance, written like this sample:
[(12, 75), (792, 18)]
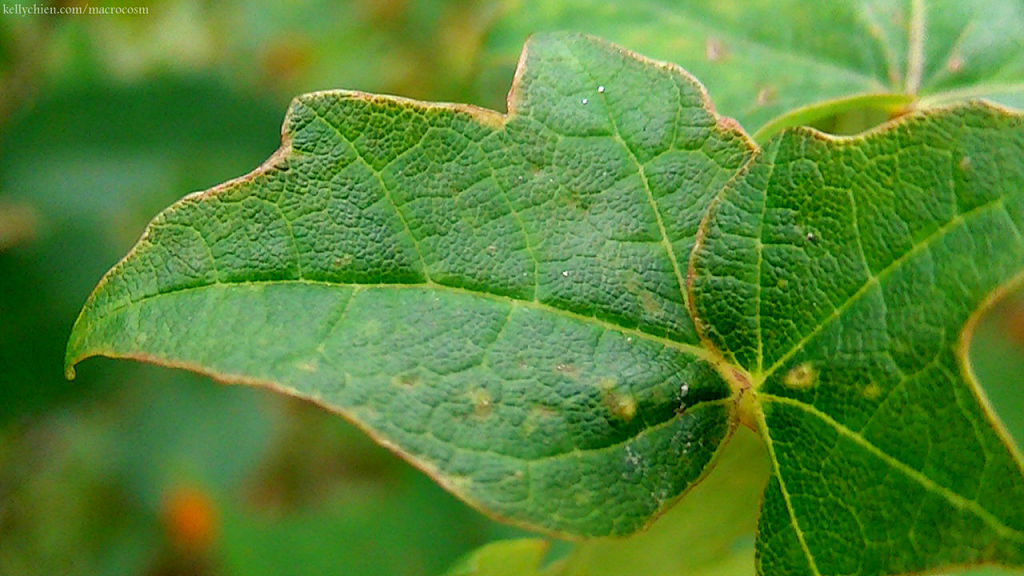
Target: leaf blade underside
[(498, 298)]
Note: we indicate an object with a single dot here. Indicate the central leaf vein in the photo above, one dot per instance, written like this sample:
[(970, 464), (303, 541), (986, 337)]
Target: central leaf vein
[(695, 351)]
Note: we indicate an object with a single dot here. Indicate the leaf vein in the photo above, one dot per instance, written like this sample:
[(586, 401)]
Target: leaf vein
[(690, 349), (383, 187), (646, 186), (770, 445), (579, 452), (927, 483), (522, 228), (876, 279)]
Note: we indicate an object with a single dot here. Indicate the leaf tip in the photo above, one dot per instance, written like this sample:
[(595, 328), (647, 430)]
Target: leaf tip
[(73, 353), (71, 358)]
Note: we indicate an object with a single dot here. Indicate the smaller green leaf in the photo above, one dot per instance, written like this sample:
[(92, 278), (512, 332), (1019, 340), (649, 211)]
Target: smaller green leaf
[(844, 275), (504, 558)]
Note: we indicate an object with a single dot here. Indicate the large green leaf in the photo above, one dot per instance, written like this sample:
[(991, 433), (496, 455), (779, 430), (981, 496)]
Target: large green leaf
[(497, 297), (563, 312), (774, 64)]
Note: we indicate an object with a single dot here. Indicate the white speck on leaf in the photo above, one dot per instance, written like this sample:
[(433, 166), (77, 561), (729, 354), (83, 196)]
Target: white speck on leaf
[(600, 89), (633, 465), (565, 273), (584, 101)]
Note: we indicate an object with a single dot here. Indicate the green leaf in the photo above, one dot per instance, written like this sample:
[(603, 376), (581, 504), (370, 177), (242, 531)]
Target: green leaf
[(503, 558), (841, 273), (562, 313), (499, 298), (773, 65)]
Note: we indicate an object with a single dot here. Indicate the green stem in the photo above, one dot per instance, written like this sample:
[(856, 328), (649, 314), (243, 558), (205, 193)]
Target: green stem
[(915, 48)]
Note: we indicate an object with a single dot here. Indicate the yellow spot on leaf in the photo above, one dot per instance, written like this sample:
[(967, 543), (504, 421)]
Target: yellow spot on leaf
[(621, 404), (872, 391), (406, 379), (802, 376), (538, 414), (650, 305), (482, 403)]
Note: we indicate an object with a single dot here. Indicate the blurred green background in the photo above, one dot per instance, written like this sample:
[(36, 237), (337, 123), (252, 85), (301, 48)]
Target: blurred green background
[(134, 469)]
